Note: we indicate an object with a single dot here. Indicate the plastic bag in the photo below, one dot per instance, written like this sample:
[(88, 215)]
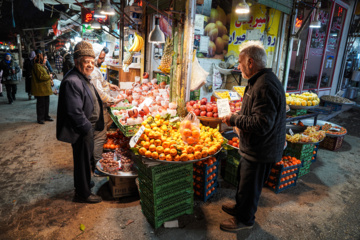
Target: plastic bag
[(217, 81), (198, 75), (190, 129)]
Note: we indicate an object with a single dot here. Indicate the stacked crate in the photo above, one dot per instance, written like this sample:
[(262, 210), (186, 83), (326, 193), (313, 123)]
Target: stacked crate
[(283, 177), (166, 191), (332, 143), (231, 167), (316, 148), (206, 178), (297, 112), (301, 151)]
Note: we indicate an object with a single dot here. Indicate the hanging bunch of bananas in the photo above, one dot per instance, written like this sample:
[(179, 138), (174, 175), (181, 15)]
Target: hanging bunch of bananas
[(138, 43), (166, 59)]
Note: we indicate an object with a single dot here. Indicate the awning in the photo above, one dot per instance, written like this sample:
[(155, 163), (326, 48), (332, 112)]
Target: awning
[(281, 5)]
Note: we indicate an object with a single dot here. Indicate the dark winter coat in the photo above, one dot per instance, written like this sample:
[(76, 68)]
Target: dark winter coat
[(68, 63), (75, 107), (262, 118), (8, 76)]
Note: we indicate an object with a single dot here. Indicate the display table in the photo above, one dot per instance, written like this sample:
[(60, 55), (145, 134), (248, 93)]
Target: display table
[(305, 116)]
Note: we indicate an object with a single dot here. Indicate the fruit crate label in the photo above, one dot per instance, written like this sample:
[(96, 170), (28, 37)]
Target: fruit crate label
[(136, 137), (234, 96), (223, 107), (291, 132)]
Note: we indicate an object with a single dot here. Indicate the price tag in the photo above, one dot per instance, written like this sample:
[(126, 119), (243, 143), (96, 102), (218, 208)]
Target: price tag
[(234, 96), (223, 107), (147, 102), (136, 137), (291, 132)]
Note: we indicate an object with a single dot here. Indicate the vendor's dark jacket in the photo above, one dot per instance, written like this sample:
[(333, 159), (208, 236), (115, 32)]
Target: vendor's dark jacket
[(262, 118), (8, 76), (75, 107)]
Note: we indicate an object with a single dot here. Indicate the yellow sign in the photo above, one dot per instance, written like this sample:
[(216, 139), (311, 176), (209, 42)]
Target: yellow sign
[(258, 21)]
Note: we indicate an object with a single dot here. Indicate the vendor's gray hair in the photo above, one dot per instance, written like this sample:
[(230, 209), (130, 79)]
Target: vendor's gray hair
[(256, 51)]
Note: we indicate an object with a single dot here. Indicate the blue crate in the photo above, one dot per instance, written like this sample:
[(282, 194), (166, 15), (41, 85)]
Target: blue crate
[(316, 148), (201, 178)]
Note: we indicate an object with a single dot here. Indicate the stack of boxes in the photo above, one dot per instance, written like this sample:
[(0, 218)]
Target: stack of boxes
[(231, 167), (166, 191), (301, 151), (206, 178)]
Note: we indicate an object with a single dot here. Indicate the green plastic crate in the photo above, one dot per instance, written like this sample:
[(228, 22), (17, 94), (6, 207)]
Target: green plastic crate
[(128, 131), (171, 214), (304, 152), (230, 178), (297, 112)]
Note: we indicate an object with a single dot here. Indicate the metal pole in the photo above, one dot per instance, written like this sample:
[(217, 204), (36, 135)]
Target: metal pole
[(20, 50)]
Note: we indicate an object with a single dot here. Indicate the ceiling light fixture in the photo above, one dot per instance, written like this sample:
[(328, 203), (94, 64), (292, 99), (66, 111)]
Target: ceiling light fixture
[(156, 35), (97, 12), (316, 23), (242, 7), (107, 9), (95, 24)]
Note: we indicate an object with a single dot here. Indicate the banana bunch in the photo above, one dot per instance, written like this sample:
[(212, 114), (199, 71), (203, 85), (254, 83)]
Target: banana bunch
[(138, 43)]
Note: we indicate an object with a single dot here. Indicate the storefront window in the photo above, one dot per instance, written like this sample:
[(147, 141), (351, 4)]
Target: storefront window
[(316, 50), (298, 53), (332, 46)]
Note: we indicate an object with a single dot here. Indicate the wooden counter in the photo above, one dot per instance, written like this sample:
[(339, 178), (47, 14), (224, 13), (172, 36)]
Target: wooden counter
[(121, 76)]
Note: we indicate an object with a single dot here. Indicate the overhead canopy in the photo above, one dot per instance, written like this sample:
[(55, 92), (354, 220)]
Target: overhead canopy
[(281, 5), (40, 3)]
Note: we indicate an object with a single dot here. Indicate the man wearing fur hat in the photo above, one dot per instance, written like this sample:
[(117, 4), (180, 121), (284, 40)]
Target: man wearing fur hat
[(79, 114), (103, 88)]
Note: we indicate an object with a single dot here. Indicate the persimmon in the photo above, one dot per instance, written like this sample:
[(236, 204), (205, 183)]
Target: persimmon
[(195, 133)]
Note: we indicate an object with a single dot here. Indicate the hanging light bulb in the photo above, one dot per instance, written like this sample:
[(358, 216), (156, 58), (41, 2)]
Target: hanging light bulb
[(156, 35), (95, 24), (97, 12), (242, 7), (107, 9), (316, 23)]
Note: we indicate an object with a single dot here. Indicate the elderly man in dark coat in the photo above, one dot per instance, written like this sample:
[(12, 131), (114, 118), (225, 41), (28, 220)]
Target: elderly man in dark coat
[(79, 114)]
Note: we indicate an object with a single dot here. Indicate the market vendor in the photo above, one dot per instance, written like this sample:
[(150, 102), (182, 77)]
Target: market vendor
[(261, 122), (79, 114), (103, 88)]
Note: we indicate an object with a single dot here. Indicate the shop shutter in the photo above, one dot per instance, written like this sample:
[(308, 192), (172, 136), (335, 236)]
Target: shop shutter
[(281, 5)]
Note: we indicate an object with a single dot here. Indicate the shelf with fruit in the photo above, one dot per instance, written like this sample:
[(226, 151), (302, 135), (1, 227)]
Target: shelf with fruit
[(305, 99), (240, 90), (312, 134), (177, 142), (203, 108)]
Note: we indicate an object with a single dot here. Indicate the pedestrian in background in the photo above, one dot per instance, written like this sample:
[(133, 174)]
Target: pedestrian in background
[(27, 72), (58, 62), (68, 63), (79, 114), (261, 122), (9, 76), (1, 73), (41, 88)]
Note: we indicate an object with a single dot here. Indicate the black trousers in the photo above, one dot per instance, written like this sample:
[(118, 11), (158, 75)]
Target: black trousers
[(42, 108), (252, 176), (11, 92), (83, 150)]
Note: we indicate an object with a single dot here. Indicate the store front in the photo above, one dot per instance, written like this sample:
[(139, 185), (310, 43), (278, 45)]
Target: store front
[(315, 55)]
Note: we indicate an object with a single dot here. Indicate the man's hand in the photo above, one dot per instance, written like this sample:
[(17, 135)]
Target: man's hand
[(114, 87), (226, 119)]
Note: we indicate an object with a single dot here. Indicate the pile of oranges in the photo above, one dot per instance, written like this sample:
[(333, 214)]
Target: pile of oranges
[(162, 140), (234, 142), (112, 141), (190, 132), (288, 161)]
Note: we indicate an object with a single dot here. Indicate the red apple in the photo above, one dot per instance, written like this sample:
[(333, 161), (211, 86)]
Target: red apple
[(203, 101), (203, 113), (209, 114), (197, 112), (128, 92), (196, 106), (133, 113), (146, 75), (215, 115), (209, 108), (192, 103), (203, 108), (215, 110), (189, 109)]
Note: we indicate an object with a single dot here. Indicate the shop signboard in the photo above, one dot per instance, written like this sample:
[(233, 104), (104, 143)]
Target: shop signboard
[(87, 16)]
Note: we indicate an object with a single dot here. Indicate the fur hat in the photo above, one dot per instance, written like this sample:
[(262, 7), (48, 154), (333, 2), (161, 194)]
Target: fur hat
[(83, 48)]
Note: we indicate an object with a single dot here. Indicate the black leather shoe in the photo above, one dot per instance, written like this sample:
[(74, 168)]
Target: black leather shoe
[(49, 119), (92, 184), (90, 199), (233, 225), (40, 122), (229, 208)]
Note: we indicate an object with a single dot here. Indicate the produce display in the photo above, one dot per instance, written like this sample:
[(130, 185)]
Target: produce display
[(288, 161), (234, 142), (217, 31), (304, 99), (312, 134), (204, 108), (162, 140), (333, 130), (336, 99), (205, 177), (240, 90), (137, 44), (166, 58), (116, 140), (132, 111)]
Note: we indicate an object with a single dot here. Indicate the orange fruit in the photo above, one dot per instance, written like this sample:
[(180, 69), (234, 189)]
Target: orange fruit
[(166, 144), (191, 156), (197, 155), (204, 152), (177, 158), (187, 132), (198, 148), (190, 140), (159, 149), (142, 151), (152, 148), (190, 149), (162, 156), (168, 157), (173, 152), (146, 145), (155, 155), (184, 157), (148, 154), (157, 142), (167, 151), (195, 133)]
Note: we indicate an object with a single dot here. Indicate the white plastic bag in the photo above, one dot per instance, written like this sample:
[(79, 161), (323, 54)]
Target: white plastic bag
[(217, 81), (198, 75)]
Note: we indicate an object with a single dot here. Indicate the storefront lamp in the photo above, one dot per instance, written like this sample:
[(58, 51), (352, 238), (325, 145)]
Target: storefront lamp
[(156, 35), (95, 24), (107, 9), (242, 7), (97, 12), (316, 23)]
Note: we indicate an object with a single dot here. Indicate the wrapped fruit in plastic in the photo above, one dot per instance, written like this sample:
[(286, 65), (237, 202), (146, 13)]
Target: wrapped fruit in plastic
[(190, 129)]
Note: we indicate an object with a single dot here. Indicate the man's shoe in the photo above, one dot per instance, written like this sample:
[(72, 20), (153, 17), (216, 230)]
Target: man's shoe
[(229, 208), (49, 119), (90, 199), (233, 225), (92, 184), (40, 122)]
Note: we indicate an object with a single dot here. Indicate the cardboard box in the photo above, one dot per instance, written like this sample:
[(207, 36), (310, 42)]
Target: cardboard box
[(124, 187)]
